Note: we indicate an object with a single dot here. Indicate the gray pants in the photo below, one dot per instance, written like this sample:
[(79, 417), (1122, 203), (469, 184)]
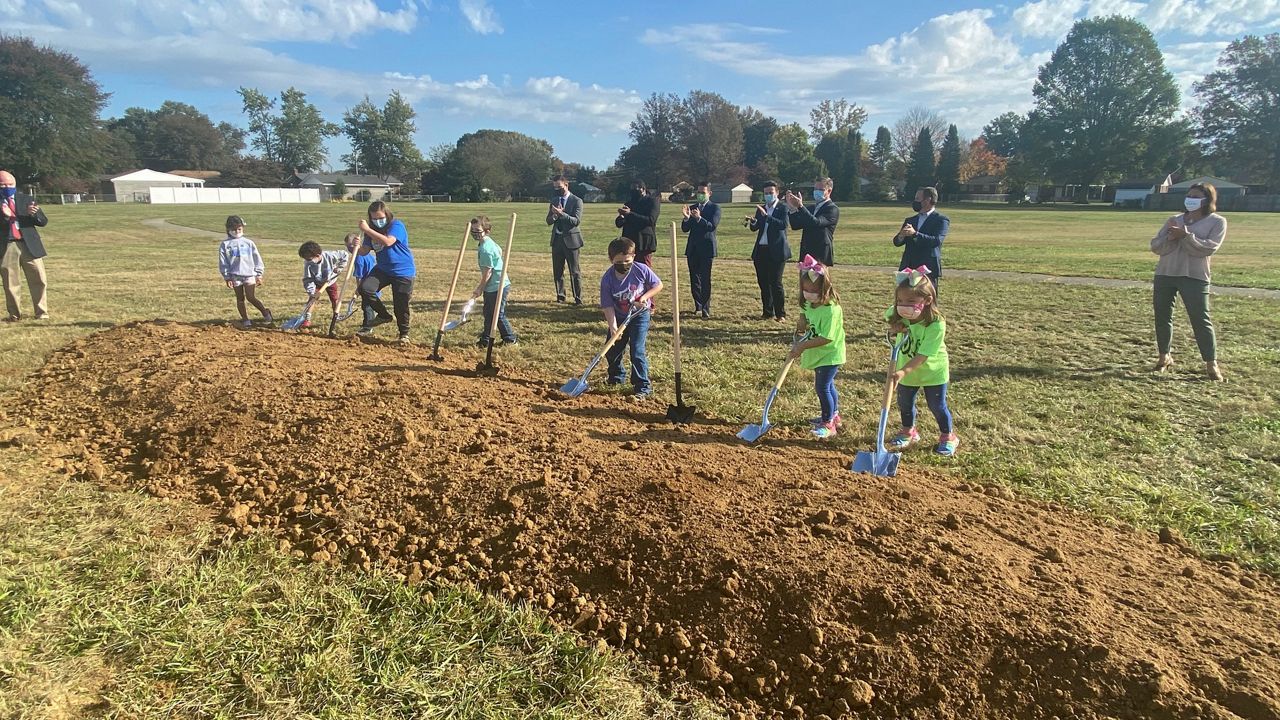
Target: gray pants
[(18, 260), (1195, 297)]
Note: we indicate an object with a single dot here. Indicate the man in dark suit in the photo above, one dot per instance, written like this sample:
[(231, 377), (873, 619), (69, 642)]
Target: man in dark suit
[(564, 216), (638, 219), (771, 252), (818, 223), (922, 234), (700, 221), (22, 248)]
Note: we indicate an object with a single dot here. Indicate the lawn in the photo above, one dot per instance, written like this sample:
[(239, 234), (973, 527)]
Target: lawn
[(1051, 387)]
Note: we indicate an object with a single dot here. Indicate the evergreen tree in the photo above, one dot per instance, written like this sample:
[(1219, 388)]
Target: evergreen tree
[(922, 172), (948, 173)]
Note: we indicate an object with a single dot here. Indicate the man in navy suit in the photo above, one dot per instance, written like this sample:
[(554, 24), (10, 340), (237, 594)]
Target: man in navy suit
[(564, 215), (700, 221), (771, 252), (922, 234), (817, 222)]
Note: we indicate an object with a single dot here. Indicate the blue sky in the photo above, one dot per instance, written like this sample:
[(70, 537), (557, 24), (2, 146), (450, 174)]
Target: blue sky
[(575, 73)]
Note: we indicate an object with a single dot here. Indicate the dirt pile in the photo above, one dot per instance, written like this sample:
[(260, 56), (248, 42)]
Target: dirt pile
[(769, 577)]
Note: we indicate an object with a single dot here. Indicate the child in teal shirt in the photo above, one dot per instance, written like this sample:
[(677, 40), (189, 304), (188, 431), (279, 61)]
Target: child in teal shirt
[(489, 257), (824, 352), (922, 360)]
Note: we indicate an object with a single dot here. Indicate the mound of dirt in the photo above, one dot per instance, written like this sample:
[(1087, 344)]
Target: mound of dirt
[(770, 578)]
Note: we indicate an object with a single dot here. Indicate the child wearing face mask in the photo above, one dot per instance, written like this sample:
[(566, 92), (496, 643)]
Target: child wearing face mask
[(922, 359), (624, 287), (823, 353), (489, 258), (242, 269), (321, 266)]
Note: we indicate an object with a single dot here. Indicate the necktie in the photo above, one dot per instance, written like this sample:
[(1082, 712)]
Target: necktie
[(14, 232)]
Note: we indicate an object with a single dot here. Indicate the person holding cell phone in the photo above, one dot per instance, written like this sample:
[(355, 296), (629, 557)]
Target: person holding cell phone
[(23, 249), (1185, 244)]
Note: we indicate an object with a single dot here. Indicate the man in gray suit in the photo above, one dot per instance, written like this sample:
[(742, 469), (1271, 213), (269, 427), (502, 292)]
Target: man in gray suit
[(23, 249), (564, 215)]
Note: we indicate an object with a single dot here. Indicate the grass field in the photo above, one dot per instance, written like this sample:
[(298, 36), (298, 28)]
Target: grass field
[(1051, 388)]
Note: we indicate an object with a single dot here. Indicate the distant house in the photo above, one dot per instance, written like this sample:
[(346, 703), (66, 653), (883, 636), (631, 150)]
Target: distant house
[(740, 193), (1225, 188), (1134, 193), (205, 175), (1063, 193), (358, 187), (589, 193), (983, 185), (136, 186)]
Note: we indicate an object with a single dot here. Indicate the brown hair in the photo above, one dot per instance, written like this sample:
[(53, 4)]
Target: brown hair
[(825, 182), (377, 205), (1210, 204), (483, 222), (351, 237), (826, 291), (923, 290), (931, 193), (621, 246)]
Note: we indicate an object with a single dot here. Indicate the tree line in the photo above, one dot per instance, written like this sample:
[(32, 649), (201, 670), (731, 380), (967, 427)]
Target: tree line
[(1105, 107)]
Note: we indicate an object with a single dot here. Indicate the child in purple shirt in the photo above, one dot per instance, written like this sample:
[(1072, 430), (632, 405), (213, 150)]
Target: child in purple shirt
[(627, 289)]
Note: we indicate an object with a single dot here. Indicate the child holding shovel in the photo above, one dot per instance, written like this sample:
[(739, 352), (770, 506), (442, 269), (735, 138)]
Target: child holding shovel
[(922, 361), (823, 353), (320, 267), (623, 287), (242, 269), (489, 257)]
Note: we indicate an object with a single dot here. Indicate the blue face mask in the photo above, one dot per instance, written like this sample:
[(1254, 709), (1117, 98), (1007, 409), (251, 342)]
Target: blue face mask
[(818, 195), (770, 198), (379, 223), (8, 192)]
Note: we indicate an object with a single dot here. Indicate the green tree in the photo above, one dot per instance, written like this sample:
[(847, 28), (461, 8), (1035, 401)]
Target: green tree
[(250, 172), (655, 154), (1002, 133), (503, 162), (382, 138), (792, 156), (295, 136), (841, 153), (948, 173), (339, 190), (881, 155), (175, 136), (757, 128), (835, 116), (711, 137), (49, 105), (1238, 115), (1099, 101), (922, 171)]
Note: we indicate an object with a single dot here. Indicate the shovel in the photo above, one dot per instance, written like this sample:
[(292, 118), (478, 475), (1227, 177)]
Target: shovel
[(296, 321), (342, 290), (577, 386), (881, 463), (752, 433), (487, 367), (678, 413), (467, 307), (453, 284)]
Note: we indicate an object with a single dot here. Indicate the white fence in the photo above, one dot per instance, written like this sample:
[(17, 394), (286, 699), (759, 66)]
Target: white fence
[(210, 196)]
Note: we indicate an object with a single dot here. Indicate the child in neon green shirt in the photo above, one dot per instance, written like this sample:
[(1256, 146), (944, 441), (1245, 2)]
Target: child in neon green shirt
[(922, 360), (824, 352)]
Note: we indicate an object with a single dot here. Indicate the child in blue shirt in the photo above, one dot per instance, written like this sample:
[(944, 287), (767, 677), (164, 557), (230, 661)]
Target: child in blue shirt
[(623, 287)]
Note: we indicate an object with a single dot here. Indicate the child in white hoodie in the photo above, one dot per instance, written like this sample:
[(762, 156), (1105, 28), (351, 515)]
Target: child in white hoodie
[(242, 269), (321, 266)]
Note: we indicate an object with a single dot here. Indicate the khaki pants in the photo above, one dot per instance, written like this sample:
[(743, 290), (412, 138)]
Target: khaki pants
[(15, 255)]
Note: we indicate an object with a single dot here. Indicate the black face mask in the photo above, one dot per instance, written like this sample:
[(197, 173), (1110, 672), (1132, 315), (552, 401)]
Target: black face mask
[(917, 206), (477, 234), (637, 194), (622, 267)]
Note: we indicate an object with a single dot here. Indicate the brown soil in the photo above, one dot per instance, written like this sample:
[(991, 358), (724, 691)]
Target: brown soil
[(769, 577)]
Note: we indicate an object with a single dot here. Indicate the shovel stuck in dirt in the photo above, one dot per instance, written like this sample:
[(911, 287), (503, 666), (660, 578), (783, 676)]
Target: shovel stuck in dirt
[(578, 385), (487, 367), (678, 413), (752, 433), (881, 463), (296, 321), (453, 284)]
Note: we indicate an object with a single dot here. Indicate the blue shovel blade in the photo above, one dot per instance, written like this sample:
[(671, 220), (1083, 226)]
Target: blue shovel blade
[(293, 322), (880, 463), (574, 387), (752, 433)]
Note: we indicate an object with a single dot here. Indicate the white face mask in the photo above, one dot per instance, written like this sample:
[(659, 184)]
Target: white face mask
[(1192, 204), (812, 297), (237, 233)]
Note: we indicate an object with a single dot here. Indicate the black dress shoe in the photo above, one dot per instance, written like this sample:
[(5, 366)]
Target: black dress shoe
[(706, 314), (766, 316)]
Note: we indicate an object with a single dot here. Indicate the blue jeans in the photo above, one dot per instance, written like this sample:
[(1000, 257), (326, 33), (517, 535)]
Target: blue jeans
[(935, 396), (504, 326), (635, 337), (824, 383)]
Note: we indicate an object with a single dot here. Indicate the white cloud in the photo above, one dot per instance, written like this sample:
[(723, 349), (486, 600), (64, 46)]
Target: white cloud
[(745, 53), (483, 19), (1046, 18), (1098, 8)]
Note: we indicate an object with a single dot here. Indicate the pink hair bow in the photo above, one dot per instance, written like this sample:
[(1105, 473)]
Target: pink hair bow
[(812, 268), (911, 276)]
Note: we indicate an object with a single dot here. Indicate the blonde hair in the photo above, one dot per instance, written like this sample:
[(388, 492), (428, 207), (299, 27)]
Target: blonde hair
[(923, 290)]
